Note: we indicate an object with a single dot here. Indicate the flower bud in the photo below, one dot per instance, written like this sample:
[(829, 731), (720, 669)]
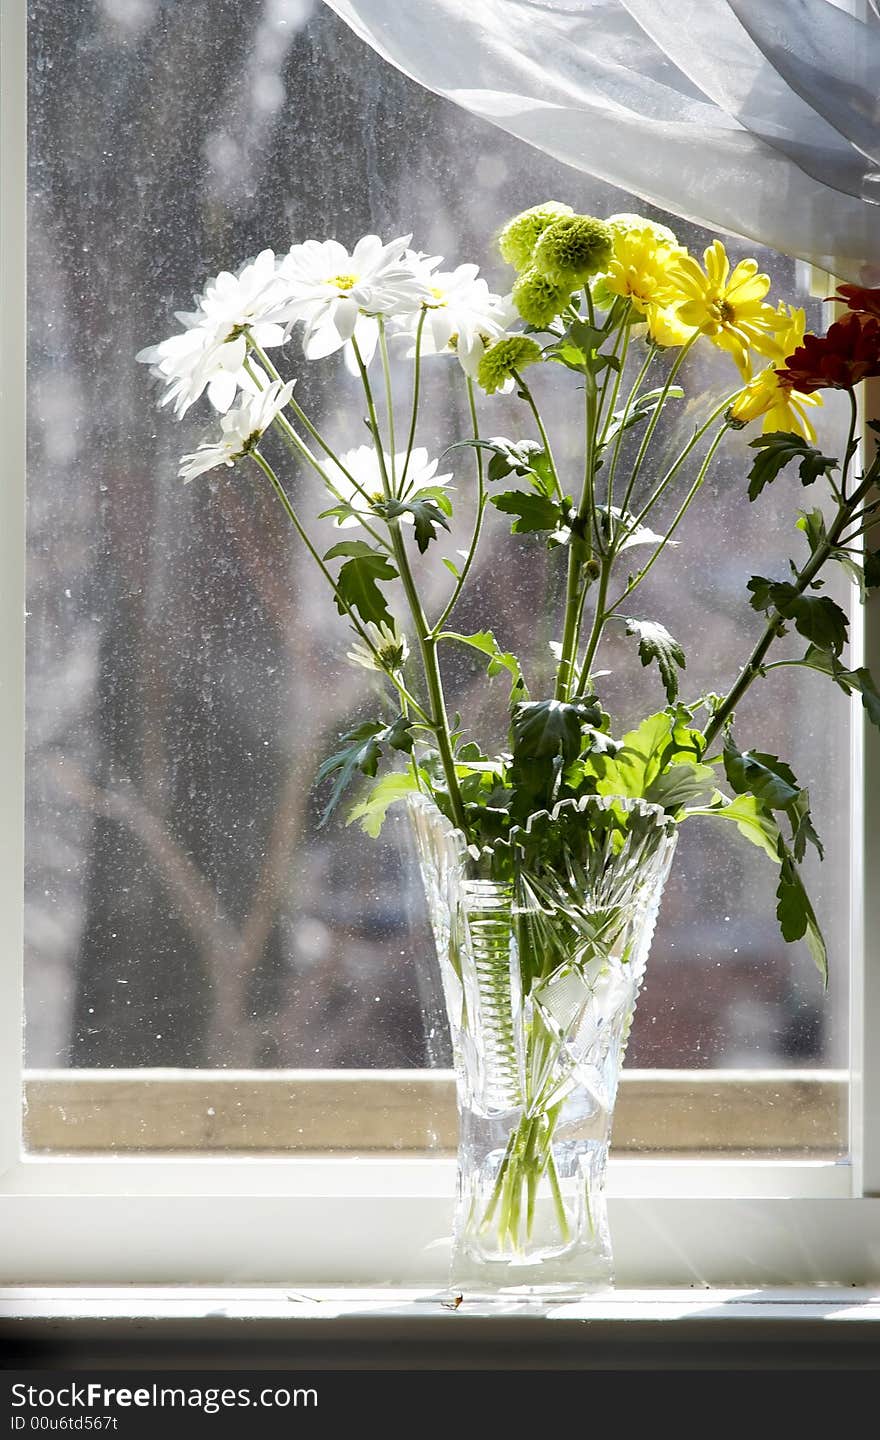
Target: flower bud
[(501, 359), (538, 299), (520, 235), (573, 248)]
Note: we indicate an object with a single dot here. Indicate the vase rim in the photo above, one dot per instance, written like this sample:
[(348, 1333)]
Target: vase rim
[(633, 804)]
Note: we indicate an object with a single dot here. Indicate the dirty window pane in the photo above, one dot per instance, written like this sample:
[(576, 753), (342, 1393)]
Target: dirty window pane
[(187, 672)]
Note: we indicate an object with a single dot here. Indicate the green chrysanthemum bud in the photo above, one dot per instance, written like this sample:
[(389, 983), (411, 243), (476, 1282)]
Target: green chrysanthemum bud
[(520, 235), (538, 299), (573, 248), (624, 221), (501, 359)]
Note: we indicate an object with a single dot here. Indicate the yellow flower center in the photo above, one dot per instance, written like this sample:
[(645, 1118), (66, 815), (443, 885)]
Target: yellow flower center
[(723, 311), (343, 282), (439, 297)]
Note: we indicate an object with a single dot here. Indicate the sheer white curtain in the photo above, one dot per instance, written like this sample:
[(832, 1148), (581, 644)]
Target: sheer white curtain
[(758, 117)]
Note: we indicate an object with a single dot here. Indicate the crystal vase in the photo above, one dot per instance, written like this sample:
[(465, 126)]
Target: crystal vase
[(542, 941)]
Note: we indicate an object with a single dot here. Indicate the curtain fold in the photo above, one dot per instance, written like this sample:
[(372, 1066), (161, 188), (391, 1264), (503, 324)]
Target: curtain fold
[(758, 117)]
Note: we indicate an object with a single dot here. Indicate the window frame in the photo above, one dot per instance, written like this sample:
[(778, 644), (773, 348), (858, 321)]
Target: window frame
[(367, 1221)]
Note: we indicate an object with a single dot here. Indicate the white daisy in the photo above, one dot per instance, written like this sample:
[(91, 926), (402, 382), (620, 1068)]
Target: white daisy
[(362, 465), (241, 429), (209, 354), (391, 648), (338, 295), (462, 314)]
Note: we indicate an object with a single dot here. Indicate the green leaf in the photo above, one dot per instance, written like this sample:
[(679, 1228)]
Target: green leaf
[(358, 577), (777, 451), (373, 808), (796, 916), (427, 515), (762, 775), (533, 512), (812, 522), (860, 681), (817, 617), (802, 828), (543, 729), (776, 786), (872, 569), (820, 620), (660, 744), (360, 752), (680, 785), (656, 643), (485, 642), (750, 818), (523, 457)]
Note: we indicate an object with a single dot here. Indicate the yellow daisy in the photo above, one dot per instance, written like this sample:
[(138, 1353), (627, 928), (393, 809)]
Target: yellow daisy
[(782, 407), (642, 261), (726, 306)]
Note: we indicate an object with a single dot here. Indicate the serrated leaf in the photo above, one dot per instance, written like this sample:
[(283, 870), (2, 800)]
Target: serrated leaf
[(776, 787), (662, 742), (427, 516), (778, 450), (523, 457), (750, 818), (485, 642), (817, 617), (760, 774), (360, 752), (797, 919), (544, 729), (860, 680), (358, 577), (872, 569), (656, 643), (533, 512), (803, 831), (812, 522), (680, 785), (372, 810)]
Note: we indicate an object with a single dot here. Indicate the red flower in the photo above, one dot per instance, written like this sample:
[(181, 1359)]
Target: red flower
[(850, 352), (858, 297)]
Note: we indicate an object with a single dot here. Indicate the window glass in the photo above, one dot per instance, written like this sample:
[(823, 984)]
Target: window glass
[(186, 670)]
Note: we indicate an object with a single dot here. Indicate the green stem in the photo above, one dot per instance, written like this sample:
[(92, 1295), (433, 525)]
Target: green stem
[(682, 511), (631, 398), (545, 439), (579, 552), (389, 402), (427, 641), (599, 618), (609, 411), (301, 449), (655, 418), (478, 521), (754, 666), (414, 413), (282, 495), (676, 465)]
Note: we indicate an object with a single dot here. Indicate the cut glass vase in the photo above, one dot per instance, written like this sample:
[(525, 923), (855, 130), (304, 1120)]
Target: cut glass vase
[(542, 942)]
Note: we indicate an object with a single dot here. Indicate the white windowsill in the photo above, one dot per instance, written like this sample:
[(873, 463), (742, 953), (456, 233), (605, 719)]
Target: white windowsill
[(836, 1305)]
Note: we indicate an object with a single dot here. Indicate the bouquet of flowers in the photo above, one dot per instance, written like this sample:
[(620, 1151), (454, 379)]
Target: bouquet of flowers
[(563, 797)]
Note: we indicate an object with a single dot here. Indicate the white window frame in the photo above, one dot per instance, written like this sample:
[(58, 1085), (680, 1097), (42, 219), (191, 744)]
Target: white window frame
[(375, 1221)]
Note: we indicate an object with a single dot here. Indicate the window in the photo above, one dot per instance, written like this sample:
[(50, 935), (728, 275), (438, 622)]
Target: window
[(205, 970)]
